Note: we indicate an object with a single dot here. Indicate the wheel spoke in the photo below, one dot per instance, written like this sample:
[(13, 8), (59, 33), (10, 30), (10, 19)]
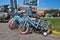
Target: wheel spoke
[(23, 26)]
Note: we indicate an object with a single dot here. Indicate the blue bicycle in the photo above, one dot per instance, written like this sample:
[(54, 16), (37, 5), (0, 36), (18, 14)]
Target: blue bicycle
[(25, 22)]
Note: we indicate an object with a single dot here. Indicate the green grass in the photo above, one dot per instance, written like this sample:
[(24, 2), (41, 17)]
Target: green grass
[(55, 22)]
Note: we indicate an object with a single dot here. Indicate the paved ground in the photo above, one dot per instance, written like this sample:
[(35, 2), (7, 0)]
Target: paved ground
[(7, 34)]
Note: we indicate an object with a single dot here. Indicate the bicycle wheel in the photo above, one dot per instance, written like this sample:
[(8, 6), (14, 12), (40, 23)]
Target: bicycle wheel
[(49, 31), (10, 24), (23, 31), (46, 29)]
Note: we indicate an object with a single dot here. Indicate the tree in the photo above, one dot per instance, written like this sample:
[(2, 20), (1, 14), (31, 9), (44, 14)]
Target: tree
[(52, 11)]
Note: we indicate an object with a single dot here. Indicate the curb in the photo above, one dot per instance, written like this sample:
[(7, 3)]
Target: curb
[(55, 33)]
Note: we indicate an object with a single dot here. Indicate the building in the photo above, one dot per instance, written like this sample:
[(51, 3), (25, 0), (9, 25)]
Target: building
[(25, 8), (40, 13)]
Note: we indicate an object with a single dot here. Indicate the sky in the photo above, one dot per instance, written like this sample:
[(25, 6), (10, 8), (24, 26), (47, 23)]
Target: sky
[(42, 4)]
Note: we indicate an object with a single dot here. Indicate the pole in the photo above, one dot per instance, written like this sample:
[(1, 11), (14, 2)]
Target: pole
[(13, 5)]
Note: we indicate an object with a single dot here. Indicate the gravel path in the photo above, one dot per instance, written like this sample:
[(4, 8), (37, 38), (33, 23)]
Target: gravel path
[(7, 34)]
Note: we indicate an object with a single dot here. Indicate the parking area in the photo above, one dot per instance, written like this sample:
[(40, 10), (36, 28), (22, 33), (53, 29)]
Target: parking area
[(7, 34)]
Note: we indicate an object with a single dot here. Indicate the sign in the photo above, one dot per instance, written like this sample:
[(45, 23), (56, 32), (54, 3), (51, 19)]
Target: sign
[(31, 2)]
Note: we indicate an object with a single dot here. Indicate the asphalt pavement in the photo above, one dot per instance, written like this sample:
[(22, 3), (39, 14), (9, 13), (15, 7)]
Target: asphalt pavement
[(7, 34)]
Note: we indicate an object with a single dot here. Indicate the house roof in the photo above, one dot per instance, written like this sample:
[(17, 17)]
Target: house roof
[(25, 8)]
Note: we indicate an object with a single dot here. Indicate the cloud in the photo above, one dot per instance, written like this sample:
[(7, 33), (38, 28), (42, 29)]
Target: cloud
[(43, 8)]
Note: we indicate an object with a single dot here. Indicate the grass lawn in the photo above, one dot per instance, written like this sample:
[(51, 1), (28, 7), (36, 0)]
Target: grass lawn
[(55, 22)]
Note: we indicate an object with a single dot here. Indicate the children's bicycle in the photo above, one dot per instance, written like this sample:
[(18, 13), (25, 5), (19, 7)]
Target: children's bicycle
[(25, 22)]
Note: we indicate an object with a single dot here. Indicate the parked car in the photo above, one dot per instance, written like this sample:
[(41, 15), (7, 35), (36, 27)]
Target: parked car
[(51, 15), (3, 16)]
